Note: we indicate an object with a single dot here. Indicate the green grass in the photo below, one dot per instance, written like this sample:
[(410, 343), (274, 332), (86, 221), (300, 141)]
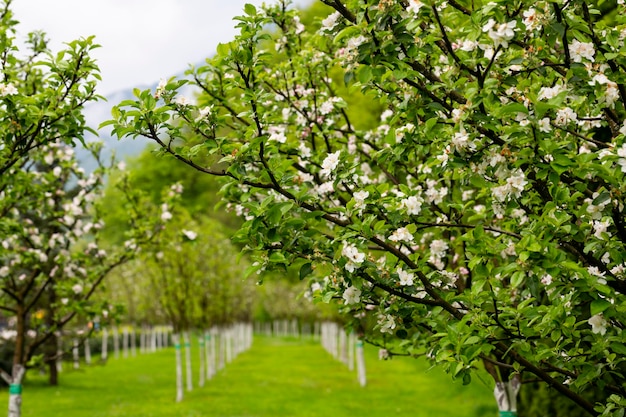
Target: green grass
[(277, 377)]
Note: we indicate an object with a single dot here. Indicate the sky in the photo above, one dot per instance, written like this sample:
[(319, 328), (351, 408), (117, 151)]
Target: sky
[(142, 40)]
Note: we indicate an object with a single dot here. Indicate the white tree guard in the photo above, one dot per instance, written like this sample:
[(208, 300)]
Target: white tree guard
[(360, 363), (142, 340), (351, 347), (202, 350), (207, 355), (116, 342), (15, 390), (125, 342), (343, 347), (222, 349), (229, 346), (75, 354), (506, 396), (87, 351), (133, 342), (105, 344), (213, 351), (188, 361), (179, 368)]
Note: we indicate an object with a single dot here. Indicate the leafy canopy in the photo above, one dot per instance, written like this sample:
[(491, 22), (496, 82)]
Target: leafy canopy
[(480, 219)]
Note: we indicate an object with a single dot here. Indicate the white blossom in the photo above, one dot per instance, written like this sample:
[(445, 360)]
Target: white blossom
[(461, 141), (359, 199), (406, 278), (530, 19), (517, 182), (386, 323), (413, 205), (160, 88), (600, 228), (182, 101), (165, 213), (386, 115), (579, 50), (565, 116), (544, 125), (438, 248), (355, 258), (277, 134), (598, 324), (299, 26), (190, 234), (352, 295), (546, 279), (546, 93), (330, 163), (330, 21), (7, 89), (468, 46), (77, 288), (401, 234), (500, 33), (203, 113), (414, 6), (383, 354)]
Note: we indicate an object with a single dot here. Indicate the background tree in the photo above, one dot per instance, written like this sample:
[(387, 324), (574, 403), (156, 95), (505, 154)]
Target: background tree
[(480, 220), (51, 260)]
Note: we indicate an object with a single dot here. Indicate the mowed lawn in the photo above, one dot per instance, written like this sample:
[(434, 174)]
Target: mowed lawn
[(276, 377)]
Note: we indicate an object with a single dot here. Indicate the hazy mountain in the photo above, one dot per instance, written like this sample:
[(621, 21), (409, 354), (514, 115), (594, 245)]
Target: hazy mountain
[(100, 111)]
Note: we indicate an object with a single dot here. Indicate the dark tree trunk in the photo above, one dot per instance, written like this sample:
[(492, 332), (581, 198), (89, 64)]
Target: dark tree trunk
[(51, 360)]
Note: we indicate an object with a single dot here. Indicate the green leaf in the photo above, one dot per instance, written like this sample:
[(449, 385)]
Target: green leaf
[(618, 348), (512, 108), (430, 123), (277, 258), (598, 306), (364, 74), (472, 340), (305, 270), (249, 9), (517, 279)]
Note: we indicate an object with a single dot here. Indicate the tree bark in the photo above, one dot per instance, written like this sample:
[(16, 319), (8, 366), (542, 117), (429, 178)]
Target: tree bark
[(51, 361)]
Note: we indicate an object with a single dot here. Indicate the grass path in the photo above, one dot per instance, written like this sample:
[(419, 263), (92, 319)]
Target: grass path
[(276, 378)]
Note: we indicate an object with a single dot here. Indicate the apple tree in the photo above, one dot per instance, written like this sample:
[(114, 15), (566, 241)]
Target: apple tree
[(480, 222)]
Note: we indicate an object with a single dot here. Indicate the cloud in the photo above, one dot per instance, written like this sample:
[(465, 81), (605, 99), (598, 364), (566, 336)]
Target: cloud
[(142, 40)]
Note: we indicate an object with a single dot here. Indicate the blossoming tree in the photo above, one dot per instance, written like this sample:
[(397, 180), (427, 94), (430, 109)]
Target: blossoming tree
[(51, 258), (480, 222)]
